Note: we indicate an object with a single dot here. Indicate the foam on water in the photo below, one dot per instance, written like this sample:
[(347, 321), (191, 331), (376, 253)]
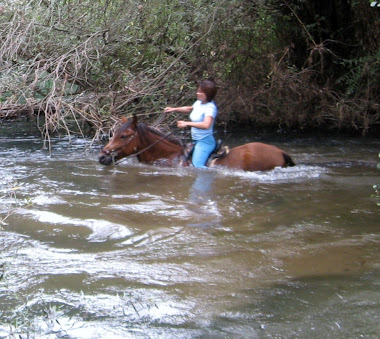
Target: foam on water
[(289, 174), (101, 229)]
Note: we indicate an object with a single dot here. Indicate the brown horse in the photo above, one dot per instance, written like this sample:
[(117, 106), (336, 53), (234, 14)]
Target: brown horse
[(154, 147), (150, 145)]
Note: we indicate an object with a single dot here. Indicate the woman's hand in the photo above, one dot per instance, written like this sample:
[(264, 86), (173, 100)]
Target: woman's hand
[(169, 109), (183, 109), (182, 124), (205, 124)]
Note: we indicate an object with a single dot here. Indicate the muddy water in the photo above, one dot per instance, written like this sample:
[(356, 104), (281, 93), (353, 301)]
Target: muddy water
[(138, 251)]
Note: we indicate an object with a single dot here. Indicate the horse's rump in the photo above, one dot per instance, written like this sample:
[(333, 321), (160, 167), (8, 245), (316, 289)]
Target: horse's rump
[(255, 156)]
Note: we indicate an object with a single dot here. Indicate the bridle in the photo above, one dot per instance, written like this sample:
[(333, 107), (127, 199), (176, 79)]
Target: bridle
[(137, 153)]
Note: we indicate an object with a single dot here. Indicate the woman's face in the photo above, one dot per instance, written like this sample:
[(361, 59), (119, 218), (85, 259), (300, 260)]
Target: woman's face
[(201, 95)]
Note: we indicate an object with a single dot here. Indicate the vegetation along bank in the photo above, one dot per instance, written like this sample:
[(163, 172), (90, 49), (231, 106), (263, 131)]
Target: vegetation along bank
[(77, 66)]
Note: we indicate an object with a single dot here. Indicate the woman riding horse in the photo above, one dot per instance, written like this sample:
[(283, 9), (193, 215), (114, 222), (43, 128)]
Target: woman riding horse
[(151, 146), (202, 116)]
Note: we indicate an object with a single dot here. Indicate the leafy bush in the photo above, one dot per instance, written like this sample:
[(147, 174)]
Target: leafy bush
[(80, 63)]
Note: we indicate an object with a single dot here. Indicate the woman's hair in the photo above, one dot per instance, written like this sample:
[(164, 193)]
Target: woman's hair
[(209, 88)]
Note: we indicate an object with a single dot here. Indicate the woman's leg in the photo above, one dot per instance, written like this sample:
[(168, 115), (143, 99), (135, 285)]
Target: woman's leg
[(202, 151)]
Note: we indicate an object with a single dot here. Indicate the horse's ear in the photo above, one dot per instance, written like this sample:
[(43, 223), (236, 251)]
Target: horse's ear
[(134, 121), (124, 120)]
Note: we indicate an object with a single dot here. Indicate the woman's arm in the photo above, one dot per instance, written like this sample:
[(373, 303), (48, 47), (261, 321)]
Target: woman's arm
[(205, 124), (183, 109)]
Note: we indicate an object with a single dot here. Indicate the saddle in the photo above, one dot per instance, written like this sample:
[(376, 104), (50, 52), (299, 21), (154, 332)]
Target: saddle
[(218, 152)]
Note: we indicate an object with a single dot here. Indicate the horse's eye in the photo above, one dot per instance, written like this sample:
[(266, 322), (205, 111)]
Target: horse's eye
[(127, 136)]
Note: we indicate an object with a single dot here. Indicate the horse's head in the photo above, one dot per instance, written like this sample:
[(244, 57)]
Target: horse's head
[(123, 143)]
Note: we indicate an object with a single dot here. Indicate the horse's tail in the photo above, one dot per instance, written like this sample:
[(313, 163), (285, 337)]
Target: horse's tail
[(288, 160)]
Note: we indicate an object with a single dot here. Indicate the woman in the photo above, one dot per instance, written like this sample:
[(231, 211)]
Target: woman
[(202, 116)]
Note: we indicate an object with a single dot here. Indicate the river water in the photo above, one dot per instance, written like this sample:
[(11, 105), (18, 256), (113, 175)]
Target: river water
[(136, 251)]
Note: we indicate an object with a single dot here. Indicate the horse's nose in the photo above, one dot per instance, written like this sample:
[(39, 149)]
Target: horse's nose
[(104, 159)]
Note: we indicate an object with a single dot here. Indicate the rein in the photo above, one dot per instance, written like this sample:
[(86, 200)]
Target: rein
[(144, 149)]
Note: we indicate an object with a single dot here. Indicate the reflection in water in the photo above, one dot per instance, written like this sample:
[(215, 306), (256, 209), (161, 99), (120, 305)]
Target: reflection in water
[(108, 252), (202, 184), (202, 200)]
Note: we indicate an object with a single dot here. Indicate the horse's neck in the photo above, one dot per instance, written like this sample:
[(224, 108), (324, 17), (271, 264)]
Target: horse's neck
[(158, 147)]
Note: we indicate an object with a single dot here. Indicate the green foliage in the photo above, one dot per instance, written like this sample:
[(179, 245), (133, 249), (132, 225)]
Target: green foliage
[(359, 72)]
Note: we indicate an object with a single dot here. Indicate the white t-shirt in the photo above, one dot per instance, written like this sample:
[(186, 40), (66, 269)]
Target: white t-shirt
[(199, 112)]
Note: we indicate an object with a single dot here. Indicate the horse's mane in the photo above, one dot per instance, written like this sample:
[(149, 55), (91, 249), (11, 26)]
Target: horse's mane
[(144, 129)]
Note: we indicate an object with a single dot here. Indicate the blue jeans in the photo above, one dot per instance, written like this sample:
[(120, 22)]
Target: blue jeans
[(202, 151)]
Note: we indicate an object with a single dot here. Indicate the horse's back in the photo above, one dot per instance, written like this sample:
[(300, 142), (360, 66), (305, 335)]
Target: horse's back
[(255, 156)]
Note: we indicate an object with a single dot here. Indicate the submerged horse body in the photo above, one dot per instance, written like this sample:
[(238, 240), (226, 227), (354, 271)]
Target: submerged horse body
[(151, 146)]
